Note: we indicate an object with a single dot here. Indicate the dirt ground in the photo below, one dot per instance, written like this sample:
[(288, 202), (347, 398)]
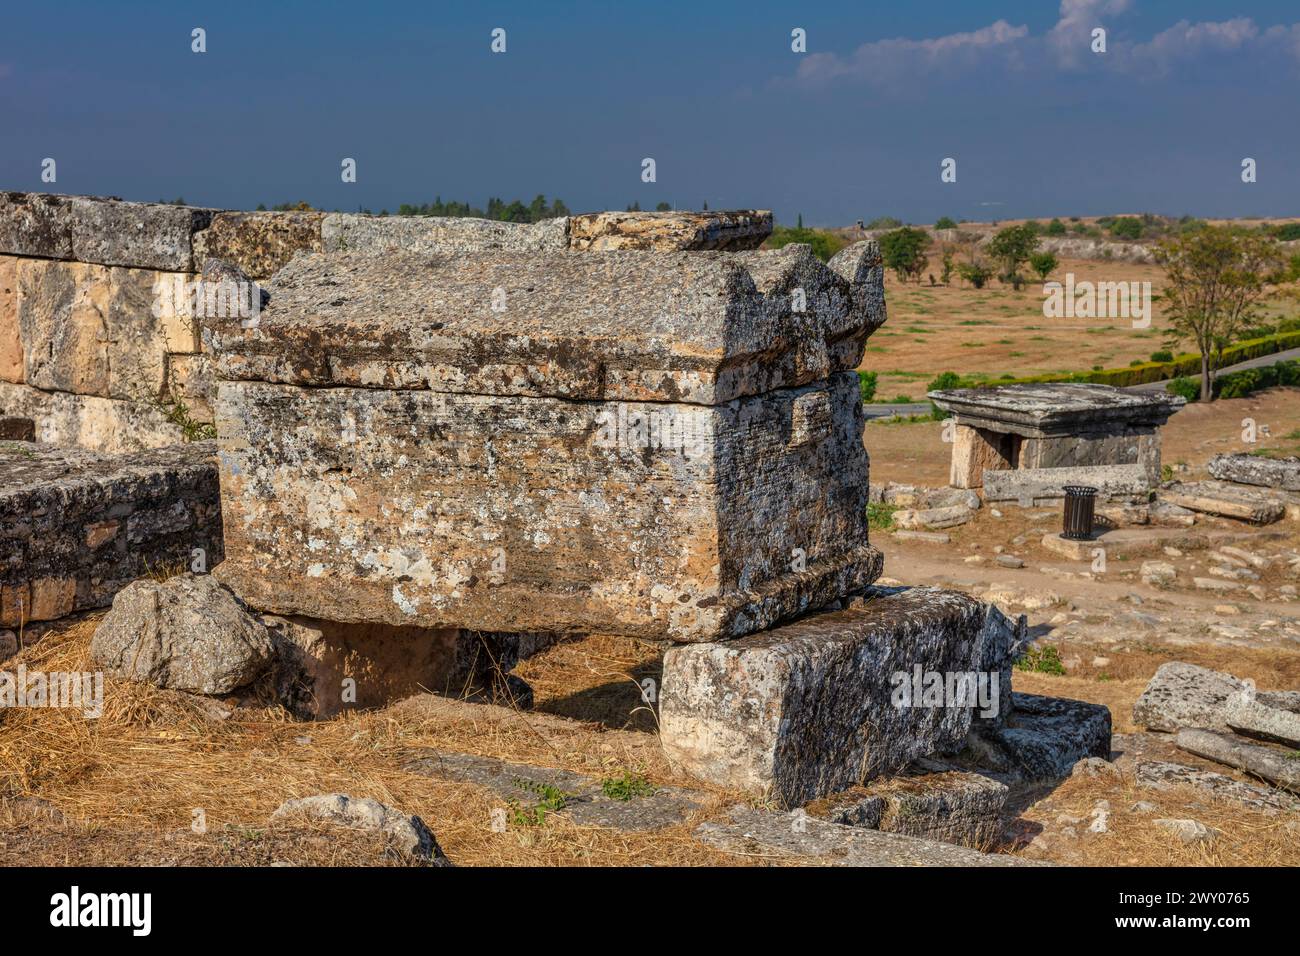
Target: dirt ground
[(997, 331)]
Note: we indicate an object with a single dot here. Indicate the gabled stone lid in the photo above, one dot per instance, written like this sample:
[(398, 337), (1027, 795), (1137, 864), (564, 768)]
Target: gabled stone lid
[(696, 327), (1052, 407)]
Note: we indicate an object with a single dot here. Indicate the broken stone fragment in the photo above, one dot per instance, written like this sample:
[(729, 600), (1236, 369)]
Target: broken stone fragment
[(1276, 765), (668, 231), (187, 633), (934, 519), (1188, 831), (1281, 473), (1043, 738), (1159, 774), (930, 799), (833, 699), (1187, 695), (407, 834), (1256, 719), (1226, 500)]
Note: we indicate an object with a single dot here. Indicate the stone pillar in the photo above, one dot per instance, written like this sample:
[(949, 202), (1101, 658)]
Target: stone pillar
[(975, 450)]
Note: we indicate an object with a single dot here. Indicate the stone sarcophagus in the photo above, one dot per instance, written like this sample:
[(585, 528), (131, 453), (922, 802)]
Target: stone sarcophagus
[(1064, 429), (660, 444)]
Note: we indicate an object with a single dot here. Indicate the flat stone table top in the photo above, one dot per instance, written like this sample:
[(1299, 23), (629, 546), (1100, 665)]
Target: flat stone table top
[(1055, 408)]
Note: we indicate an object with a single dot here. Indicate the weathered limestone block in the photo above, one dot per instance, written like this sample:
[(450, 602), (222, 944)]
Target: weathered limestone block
[(1042, 738), (36, 224), (1031, 484), (1250, 716), (1123, 446), (259, 243), (732, 230), (929, 799), (702, 328), (139, 235), (1275, 764), (975, 451), (1056, 408), (1281, 473), (1160, 774), (511, 513), (1186, 695), (105, 425), (76, 526), (95, 330), (11, 343), (424, 235), (1226, 500), (834, 699)]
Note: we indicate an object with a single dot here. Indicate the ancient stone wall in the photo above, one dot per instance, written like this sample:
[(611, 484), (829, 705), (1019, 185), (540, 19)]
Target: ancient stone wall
[(99, 328)]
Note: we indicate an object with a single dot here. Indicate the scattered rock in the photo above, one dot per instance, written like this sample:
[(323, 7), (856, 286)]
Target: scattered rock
[(408, 834), (1187, 695), (1188, 831), (1159, 574), (1159, 774), (933, 518), (1010, 561), (929, 537), (1256, 719), (1272, 764), (186, 633)]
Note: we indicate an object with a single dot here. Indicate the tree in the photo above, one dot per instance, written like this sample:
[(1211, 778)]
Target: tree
[(1012, 247), (976, 273), (1056, 228), (1215, 275), (1126, 227), (659, 207), (945, 222), (903, 250), (1043, 263)]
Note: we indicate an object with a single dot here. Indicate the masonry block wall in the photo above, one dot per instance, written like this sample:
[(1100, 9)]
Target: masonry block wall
[(98, 351)]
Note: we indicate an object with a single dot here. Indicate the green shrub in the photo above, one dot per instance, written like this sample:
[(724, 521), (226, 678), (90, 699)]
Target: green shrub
[(880, 517), (1042, 660), (824, 244), (1056, 228), (627, 786), (1188, 388), (1240, 384), (1287, 232), (1163, 355), (1126, 227), (945, 222), (885, 222), (867, 385)]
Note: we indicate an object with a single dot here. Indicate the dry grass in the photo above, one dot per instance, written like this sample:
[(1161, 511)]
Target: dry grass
[(153, 757), (128, 783)]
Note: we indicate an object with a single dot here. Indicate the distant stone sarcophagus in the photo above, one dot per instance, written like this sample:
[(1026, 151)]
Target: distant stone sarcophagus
[(658, 444)]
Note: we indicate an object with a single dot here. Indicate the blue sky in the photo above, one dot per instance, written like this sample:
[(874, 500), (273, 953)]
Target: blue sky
[(855, 128)]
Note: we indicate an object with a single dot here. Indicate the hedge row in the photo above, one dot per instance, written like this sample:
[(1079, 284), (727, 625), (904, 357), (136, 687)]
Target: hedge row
[(1188, 363)]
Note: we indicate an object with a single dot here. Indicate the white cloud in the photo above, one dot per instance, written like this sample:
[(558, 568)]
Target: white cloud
[(1067, 45), (1071, 38), (883, 61)]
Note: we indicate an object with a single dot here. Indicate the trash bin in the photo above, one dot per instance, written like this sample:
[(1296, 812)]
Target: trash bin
[(1080, 501)]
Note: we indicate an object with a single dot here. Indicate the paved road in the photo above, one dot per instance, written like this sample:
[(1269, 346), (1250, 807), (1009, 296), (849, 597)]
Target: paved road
[(921, 408)]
